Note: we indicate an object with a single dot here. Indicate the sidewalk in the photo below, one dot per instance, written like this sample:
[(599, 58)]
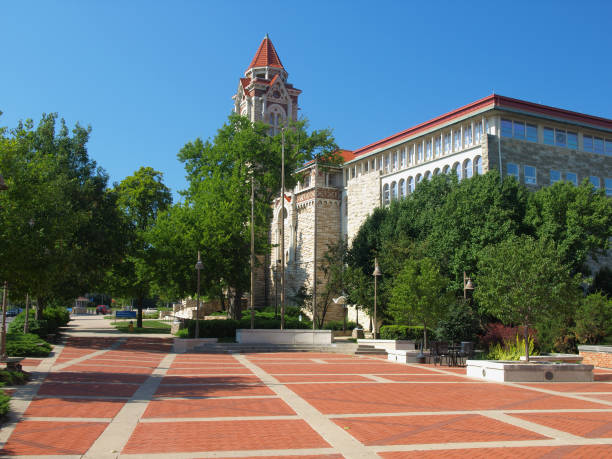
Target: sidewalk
[(106, 395)]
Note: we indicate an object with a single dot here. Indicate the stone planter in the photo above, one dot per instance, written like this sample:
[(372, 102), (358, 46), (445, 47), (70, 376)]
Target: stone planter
[(600, 356), (515, 371), (187, 344), (262, 336), (389, 344), (403, 356)]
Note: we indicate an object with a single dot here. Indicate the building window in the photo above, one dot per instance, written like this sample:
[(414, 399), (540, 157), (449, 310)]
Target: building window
[(572, 178), (478, 162), (445, 169), (395, 160), (467, 168), (560, 138), (532, 133), (447, 142), (595, 182), (598, 145), (530, 175), (366, 166), (410, 184), (420, 151), (457, 170), (386, 194), (587, 143), (519, 130), (428, 150), (506, 128), (467, 136), (402, 189), (512, 169), (386, 169), (572, 140), (419, 177), (403, 160), (457, 140), (438, 146), (478, 131), (608, 147), (373, 165), (549, 136), (394, 191), (608, 184), (411, 155), (555, 176), (427, 175)]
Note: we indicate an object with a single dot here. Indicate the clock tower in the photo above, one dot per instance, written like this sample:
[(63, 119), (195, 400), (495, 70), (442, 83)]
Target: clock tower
[(264, 93)]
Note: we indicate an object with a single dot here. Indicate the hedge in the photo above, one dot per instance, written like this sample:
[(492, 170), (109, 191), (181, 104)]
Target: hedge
[(227, 328), (408, 332), (4, 403), (52, 319), (26, 345), (338, 325)]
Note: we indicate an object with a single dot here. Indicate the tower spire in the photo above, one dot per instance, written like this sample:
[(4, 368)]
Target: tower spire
[(266, 55)]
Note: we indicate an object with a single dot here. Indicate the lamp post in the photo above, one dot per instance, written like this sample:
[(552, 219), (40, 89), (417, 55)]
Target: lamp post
[(282, 216), (252, 251), (467, 286), (199, 265), (376, 273), (3, 187), (276, 268)]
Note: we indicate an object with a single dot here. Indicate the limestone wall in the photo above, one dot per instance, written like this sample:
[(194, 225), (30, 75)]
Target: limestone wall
[(362, 197)]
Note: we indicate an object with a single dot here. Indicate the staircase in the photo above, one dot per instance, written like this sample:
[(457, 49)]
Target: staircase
[(237, 348), (369, 349)]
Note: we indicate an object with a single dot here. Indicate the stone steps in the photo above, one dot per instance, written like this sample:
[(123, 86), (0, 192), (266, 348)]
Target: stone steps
[(227, 348), (369, 349)]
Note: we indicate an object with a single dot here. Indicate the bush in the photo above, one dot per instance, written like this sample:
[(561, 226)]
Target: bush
[(511, 349), (593, 319), (459, 324), (406, 332), (52, 319), (338, 325), (227, 328), (496, 333), (56, 316), (13, 378), (26, 345), (4, 403)]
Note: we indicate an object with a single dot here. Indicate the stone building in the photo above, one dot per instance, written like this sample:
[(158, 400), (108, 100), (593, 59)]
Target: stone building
[(537, 144)]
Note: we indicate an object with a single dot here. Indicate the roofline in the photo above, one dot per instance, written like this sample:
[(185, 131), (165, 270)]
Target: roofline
[(490, 102)]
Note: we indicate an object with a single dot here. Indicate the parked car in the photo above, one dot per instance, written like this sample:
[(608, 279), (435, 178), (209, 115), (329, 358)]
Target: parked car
[(102, 309), (13, 312)]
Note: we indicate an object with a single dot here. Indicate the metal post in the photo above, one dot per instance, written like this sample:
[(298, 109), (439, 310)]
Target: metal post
[(314, 274), (252, 252), (276, 289), (375, 288), (27, 313), (376, 273), (3, 335), (282, 217)]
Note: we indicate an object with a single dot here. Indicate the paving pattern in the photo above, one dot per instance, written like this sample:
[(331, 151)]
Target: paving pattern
[(132, 397)]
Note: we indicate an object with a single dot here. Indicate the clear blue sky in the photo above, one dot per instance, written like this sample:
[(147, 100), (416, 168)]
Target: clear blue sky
[(149, 76)]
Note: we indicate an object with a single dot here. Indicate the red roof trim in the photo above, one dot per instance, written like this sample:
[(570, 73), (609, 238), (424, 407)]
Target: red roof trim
[(495, 101), (266, 56)]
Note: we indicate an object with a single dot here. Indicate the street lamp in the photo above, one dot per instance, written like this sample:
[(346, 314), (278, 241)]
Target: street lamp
[(467, 285), (376, 273), (276, 268), (199, 265), (3, 187)]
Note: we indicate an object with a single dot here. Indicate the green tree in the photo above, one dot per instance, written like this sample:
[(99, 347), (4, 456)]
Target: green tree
[(141, 197), (593, 319), (419, 294), (521, 280), (219, 173), (60, 229)]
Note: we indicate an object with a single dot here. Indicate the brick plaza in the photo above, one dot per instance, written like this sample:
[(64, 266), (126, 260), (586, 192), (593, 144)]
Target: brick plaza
[(131, 397)]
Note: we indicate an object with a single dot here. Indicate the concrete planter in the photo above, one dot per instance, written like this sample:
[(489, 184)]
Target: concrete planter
[(600, 356), (262, 336), (187, 344), (568, 358), (514, 371), (389, 344), (403, 356)]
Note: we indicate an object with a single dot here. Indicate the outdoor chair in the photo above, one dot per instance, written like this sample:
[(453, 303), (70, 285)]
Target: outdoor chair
[(438, 351), (467, 350)]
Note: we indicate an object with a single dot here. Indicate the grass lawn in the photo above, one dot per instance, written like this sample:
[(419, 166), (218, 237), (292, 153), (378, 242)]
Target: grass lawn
[(148, 326)]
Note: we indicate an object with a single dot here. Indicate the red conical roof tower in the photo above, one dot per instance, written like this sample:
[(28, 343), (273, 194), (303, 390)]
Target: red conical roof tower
[(266, 55)]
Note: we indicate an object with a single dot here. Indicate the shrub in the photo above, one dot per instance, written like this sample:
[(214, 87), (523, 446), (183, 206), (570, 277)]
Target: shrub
[(4, 403), (496, 333), (511, 349), (338, 325), (20, 344), (408, 332), (56, 316), (13, 378), (227, 328), (593, 319), (37, 327), (459, 324)]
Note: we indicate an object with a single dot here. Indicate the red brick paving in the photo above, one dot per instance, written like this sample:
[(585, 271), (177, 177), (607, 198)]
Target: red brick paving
[(428, 378), (323, 368), (67, 376), (216, 408), (602, 397), (323, 456), (73, 408), (95, 389), (407, 430), (538, 452), (108, 369), (236, 379), (321, 378), (209, 371), (168, 437), (211, 391), (392, 398), (574, 387), (589, 425), (47, 438)]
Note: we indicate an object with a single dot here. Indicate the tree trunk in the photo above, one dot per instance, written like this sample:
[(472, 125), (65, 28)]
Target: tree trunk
[(235, 306), (526, 343), (39, 308), (27, 314), (139, 317), (424, 336)]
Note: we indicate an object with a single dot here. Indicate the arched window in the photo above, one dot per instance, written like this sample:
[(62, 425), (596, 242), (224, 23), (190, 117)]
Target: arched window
[(402, 189), (394, 191), (478, 164), (386, 194), (457, 170), (419, 177), (468, 171), (410, 185), (427, 175), (446, 169), (436, 171), (276, 118)]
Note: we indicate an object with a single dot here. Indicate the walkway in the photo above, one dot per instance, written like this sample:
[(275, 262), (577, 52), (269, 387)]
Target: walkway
[(110, 395)]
